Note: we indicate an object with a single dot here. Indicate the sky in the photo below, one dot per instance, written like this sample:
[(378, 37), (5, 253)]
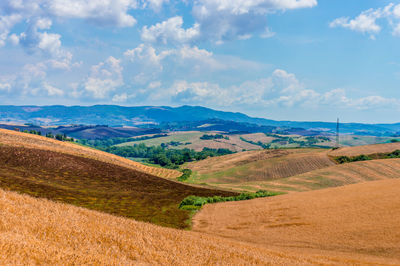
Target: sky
[(302, 60)]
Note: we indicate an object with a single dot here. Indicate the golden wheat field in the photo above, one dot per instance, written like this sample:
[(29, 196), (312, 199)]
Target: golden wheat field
[(38, 231), (358, 221), (13, 138)]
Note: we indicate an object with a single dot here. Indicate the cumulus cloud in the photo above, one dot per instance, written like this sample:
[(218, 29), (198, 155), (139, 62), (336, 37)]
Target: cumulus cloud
[(170, 31), (38, 16), (222, 20), (51, 90), (367, 21), (104, 78), (280, 89), (6, 24), (120, 98), (155, 4), (103, 13)]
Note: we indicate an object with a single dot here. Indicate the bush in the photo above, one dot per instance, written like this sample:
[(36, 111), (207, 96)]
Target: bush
[(195, 203), (185, 176)]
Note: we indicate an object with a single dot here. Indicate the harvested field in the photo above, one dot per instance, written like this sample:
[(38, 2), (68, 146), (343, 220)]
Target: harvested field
[(193, 138), (334, 176), (38, 231), (232, 171), (97, 185), (366, 149), (13, 138), (256, 137), (356, 221), (234, 143)]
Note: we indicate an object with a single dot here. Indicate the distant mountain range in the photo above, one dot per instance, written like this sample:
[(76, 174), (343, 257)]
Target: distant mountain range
[(154, 116)]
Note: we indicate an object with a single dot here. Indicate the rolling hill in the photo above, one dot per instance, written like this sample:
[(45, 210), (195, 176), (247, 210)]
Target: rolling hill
[(17, 139), (38, 231), (356, 222), (192, 140), (338, 175), (289, 170), (69, 173), (243, 171), (114, 115), (366, 149)]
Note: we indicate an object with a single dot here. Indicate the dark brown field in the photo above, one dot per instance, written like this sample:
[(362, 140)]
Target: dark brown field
[(96, 185)]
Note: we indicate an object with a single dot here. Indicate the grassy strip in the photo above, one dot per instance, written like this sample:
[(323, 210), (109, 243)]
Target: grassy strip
[(194, 203), (185, 176), (362, 157)]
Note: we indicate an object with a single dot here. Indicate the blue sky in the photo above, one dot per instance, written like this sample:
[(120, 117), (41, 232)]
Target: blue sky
[(279, 59)]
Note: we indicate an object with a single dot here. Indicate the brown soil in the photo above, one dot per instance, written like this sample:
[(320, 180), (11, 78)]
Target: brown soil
[(13, 138), (358, 221), (96, 185)]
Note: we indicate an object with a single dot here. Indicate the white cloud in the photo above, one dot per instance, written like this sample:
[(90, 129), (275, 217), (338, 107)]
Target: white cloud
[(222, 20), (154, 84), (280, 90), (51, 90), (5, 86), (6, 24), (120, 98), (146, 55), (170, 31), (367, 21), (104, 78), (102, 13), (155, 4)]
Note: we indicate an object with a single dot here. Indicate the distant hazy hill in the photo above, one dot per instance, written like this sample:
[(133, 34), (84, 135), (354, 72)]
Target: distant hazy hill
[(113, 115)]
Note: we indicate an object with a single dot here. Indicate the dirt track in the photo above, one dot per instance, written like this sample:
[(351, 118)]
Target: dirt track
[(355, 221)]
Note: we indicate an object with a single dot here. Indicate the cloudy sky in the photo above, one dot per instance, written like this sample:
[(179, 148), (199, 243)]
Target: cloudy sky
[(278, 59)]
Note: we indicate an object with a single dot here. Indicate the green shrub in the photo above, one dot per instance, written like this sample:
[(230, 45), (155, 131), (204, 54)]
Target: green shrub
[(195, 203), (186, 173)]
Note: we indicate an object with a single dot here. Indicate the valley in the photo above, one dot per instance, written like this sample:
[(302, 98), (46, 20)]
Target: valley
[(318, 192)]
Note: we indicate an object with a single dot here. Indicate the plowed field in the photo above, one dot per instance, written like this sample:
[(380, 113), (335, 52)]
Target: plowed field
[(97, 185), (233, 171), (13, 138), (334, 176)]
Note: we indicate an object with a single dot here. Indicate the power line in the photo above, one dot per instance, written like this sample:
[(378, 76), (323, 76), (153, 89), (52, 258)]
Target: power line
[(337, 134)]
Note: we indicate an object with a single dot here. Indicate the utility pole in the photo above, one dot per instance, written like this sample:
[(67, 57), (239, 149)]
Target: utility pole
[(337, 134)]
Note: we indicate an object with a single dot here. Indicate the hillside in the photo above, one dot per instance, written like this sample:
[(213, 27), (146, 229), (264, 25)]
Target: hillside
[(356, 221), (17, 139), (333, 176), (366, 149), (241, 171), (192, 140), (114, 115), (84, 181), (38, 231)]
